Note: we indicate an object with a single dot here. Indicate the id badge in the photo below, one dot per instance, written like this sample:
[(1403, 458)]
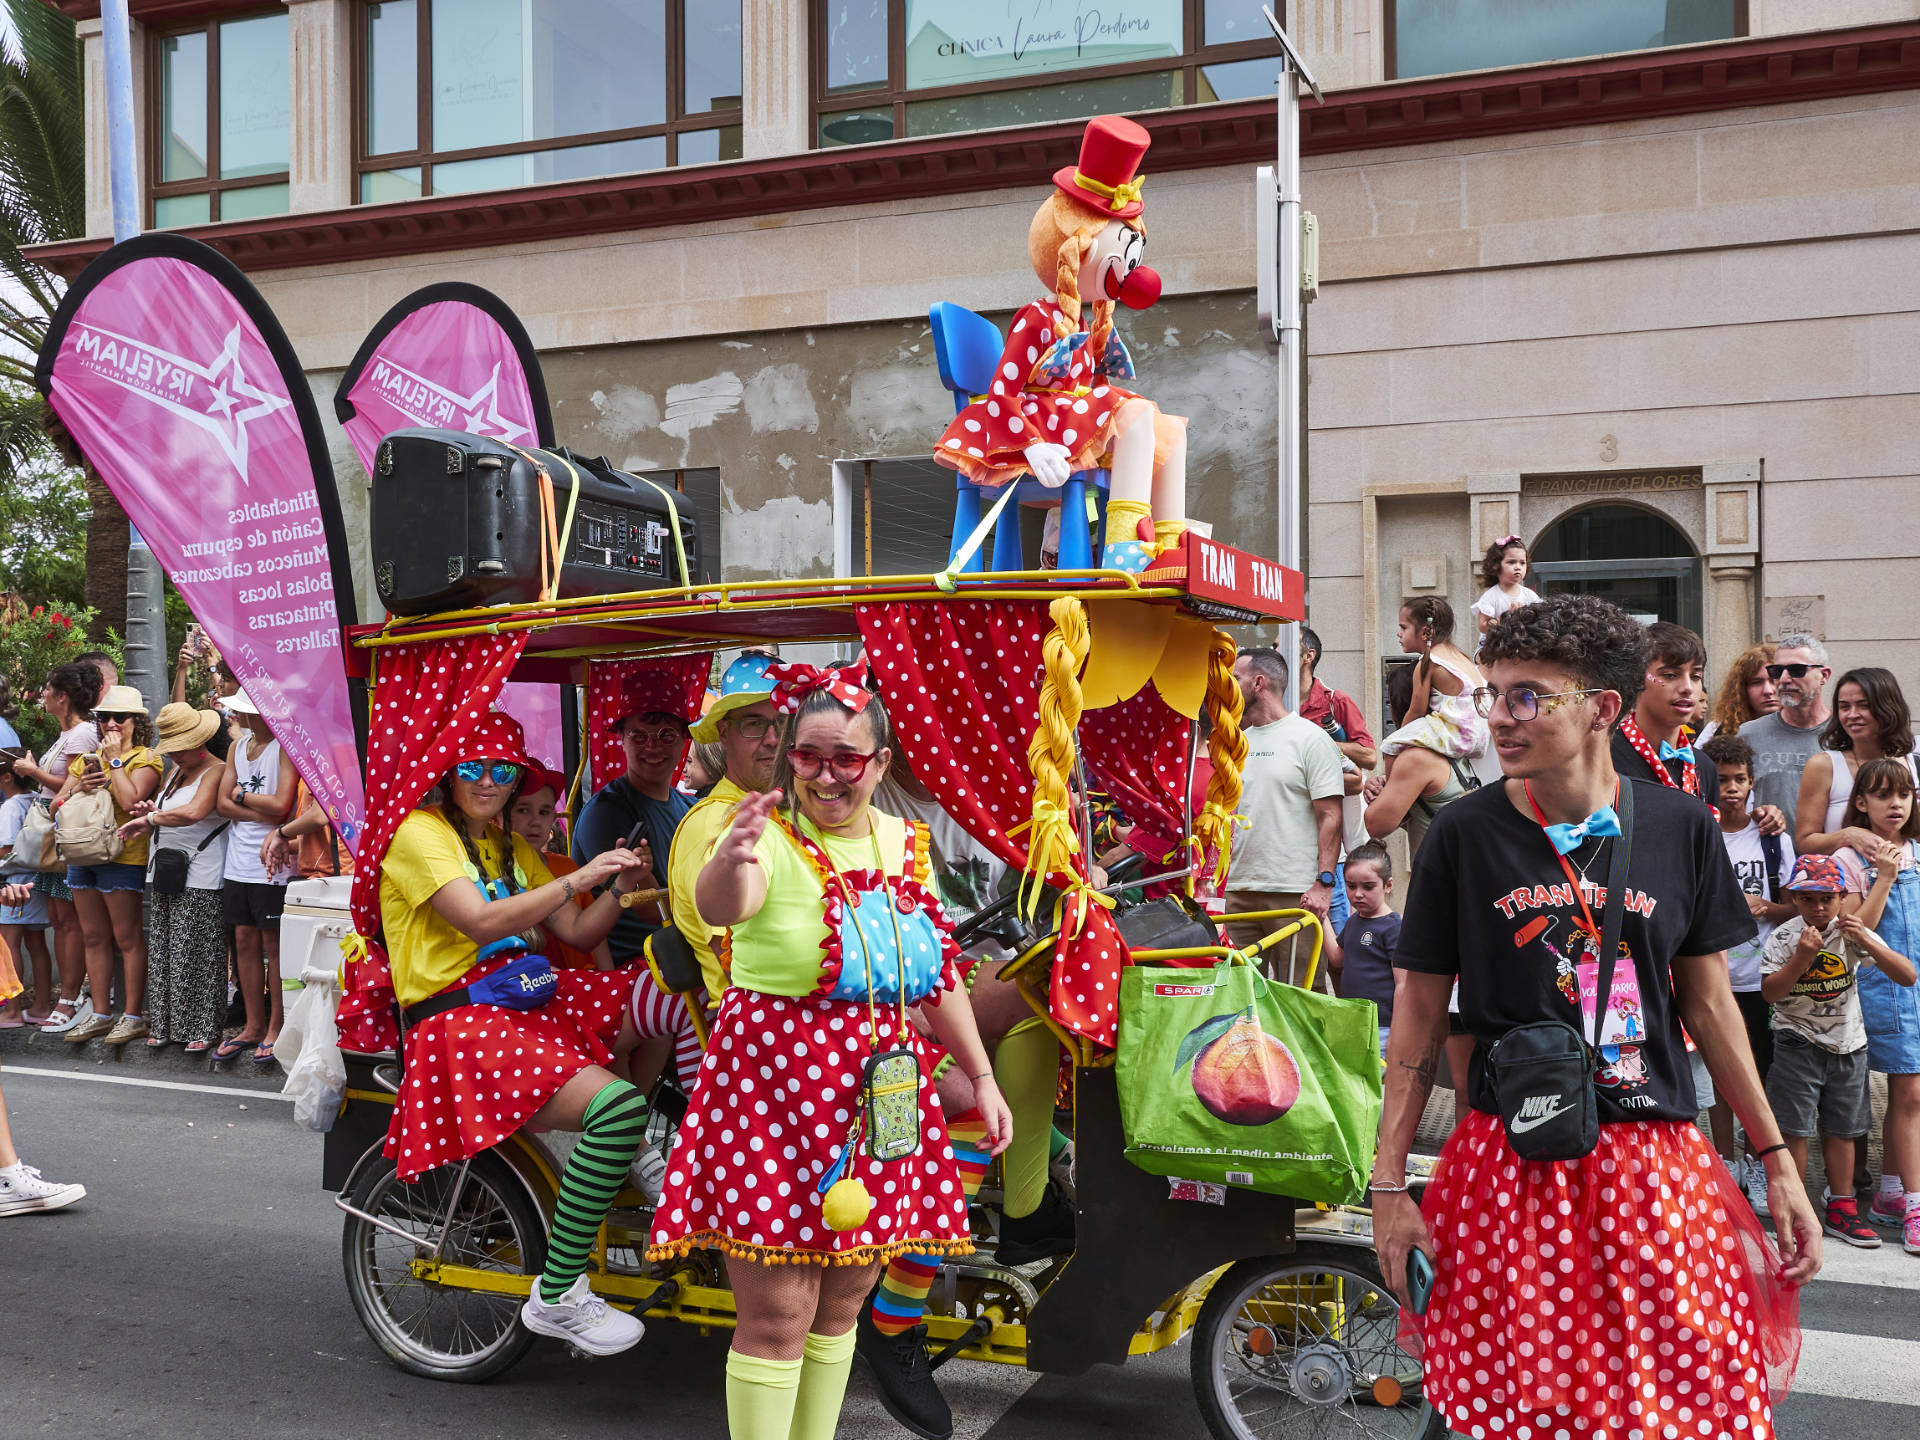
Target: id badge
[(890, 1093)]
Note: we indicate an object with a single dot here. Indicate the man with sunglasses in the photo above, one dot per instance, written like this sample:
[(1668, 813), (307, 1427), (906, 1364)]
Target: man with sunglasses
[(642, 810), (1784, 741), (1509, 897)]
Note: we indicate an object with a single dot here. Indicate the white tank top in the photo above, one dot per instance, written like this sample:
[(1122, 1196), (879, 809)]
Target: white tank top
[(261, 776)]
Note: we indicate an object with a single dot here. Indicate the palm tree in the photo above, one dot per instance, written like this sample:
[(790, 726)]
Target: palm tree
[(43, 198)]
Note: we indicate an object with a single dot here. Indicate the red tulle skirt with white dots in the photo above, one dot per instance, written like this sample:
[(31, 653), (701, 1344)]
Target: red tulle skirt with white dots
[(477, 1074), (1629, 1295), (768, 1117)]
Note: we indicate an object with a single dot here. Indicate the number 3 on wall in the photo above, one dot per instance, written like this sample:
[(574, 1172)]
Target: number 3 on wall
[(1609, 449)]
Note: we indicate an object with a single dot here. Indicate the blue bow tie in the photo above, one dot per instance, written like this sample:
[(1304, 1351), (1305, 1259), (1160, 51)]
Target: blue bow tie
[(1682, 753), (1570, 837)]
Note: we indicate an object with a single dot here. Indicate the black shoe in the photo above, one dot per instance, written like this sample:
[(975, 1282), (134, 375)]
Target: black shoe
[(903, 1377), (1047, 1232)]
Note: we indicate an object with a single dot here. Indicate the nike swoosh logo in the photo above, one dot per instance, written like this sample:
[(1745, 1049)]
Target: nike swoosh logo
[(1520, 1127)]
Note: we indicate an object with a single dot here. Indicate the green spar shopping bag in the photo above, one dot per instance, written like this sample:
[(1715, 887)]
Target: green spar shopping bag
[(1227, 1076)]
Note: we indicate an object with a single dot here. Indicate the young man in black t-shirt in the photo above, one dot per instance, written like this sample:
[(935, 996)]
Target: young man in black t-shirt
[(1508, 895)]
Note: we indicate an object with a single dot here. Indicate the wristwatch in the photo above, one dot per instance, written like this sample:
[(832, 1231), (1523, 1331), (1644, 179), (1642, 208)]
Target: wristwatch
[(115, 764), (1325, 878)]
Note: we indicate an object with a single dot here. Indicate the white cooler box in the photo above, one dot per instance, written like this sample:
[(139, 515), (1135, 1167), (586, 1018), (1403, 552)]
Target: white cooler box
[(313, 924)]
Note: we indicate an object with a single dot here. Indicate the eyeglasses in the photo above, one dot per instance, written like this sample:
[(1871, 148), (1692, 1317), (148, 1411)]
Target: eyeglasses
[(500, 772), (1795, 671), (655, 738), (1524, 702), (847, 765), (753, 727)]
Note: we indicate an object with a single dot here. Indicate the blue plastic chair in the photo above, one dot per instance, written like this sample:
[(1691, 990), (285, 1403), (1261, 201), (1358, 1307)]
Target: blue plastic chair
[(966, 347)]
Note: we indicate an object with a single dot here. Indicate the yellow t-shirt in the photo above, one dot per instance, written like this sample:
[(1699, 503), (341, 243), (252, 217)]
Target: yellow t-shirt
[(692, 843), (138, 758), (427, 953), (777, 950)]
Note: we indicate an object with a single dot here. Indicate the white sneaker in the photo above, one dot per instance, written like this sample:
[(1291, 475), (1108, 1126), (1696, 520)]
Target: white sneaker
[(83, 1010), (648, 1173), (583, 1320), (22, 1189), (1753, 1180)]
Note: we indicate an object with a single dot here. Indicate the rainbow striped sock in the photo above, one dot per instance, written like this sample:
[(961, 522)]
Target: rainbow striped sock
[(902, 1297)]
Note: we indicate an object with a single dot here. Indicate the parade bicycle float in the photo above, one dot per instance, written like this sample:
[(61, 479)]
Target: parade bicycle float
[(1016, 695)]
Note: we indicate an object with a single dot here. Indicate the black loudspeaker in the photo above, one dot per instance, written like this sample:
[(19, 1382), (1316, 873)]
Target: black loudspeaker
[(456, 522)]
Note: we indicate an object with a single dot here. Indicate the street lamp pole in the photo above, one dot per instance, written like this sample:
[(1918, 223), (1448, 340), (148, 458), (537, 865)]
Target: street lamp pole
[(1282, 301), (146, 633)]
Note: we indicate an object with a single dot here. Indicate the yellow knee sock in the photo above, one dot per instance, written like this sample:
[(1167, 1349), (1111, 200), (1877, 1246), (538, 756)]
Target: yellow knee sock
[(1025, 1063), (823, 1386), (761, 1396), (1123, 519)]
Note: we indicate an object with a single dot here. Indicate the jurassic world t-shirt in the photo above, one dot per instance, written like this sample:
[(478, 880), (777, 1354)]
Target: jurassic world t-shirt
[(1490, 903), (1823, 1007)]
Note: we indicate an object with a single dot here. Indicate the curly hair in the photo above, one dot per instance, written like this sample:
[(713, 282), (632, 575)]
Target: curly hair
[(1432, 614), (1884, 701), (1495, 557), (1724, 750), (1593, 640), (79, 682), (1731, 708)]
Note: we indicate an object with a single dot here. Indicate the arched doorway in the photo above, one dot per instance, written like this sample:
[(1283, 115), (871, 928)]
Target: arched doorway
[(1633, 557)]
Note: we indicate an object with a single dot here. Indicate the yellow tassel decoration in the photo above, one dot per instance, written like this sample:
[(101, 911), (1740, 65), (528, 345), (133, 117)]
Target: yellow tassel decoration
[(1052, 843), (1227, 748), (847, 1205)]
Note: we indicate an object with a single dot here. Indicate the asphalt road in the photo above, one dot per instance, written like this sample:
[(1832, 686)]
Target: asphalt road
[(197, 1293)]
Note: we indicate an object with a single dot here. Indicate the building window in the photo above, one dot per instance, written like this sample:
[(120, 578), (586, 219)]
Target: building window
[(1442, 37), (485, 94), (887, 68), (1633, 557), (221, 141)]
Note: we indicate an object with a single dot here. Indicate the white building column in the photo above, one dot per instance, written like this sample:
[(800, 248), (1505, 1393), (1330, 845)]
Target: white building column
[(1494, 498), (93, 72), (773, 68), (1732, 553), (320, 75)]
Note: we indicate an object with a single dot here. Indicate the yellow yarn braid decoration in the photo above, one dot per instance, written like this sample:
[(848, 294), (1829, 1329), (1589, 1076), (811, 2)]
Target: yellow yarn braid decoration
[(1227, 748), (1052, 843)]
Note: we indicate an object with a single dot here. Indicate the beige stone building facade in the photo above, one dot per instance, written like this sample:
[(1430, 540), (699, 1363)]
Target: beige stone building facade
[(1657, 312)]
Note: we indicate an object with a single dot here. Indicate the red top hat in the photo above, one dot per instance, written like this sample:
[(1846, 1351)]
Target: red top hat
[(1104, 179)]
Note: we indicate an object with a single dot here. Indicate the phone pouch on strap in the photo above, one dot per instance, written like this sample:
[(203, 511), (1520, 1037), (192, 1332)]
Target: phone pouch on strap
[(1542, 1073), (524, 983)]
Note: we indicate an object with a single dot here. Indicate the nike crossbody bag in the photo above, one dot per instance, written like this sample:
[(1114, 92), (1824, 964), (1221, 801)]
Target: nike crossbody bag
[(1542, 1074)]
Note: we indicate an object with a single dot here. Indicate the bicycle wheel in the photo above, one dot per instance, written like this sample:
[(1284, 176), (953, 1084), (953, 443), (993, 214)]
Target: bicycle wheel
[(434, 1330), (1307, 1345)]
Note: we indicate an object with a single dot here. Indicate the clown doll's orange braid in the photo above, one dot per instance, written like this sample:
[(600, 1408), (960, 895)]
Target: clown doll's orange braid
[(1051, 842), (1227, 749)]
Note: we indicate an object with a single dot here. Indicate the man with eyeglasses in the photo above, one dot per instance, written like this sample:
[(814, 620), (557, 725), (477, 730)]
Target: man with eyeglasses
[(642, 800), (1509, 897), (1784, 741)]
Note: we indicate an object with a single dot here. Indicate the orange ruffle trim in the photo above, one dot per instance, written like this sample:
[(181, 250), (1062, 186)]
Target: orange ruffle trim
[(791, 1255)]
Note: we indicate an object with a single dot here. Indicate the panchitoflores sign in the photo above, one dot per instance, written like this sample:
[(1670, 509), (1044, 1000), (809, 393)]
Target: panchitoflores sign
[(182, 392), (448, 357)]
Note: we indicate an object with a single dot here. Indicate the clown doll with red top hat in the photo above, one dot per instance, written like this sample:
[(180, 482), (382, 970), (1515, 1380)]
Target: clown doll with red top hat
[(1053, 408)]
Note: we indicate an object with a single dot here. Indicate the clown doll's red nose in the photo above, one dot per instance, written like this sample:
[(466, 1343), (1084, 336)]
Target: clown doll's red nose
[(1141, 288)]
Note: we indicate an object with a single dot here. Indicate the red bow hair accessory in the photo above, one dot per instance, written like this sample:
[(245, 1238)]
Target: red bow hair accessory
[(792, 684)]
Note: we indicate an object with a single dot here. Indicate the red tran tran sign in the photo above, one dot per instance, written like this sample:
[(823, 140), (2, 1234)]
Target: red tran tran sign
[(1237, 580)]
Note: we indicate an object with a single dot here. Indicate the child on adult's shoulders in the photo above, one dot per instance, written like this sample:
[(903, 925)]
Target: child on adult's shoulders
[(1762, 864), (1361, 956), (1504, 572), (1810, 970)]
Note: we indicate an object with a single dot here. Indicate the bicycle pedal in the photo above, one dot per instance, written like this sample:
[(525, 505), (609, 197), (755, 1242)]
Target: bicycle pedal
[(578, 1354)]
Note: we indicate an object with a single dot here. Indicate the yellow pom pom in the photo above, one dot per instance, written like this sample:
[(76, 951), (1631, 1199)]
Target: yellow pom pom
[(847, 1205)]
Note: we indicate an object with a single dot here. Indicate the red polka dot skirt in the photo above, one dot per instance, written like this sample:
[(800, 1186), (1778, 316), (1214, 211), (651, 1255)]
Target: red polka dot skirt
[(767, 1119), (477, 1074), (1630, 1295)]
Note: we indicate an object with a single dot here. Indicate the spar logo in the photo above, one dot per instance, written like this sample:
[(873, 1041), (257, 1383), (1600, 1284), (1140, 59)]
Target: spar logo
[(427, 402), (216, 396)]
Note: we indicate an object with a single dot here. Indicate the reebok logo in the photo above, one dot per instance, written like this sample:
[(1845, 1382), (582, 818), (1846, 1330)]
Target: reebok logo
[(1537, 1110)]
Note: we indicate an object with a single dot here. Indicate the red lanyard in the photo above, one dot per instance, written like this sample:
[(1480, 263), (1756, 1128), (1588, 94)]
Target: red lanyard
[(1579, 891)]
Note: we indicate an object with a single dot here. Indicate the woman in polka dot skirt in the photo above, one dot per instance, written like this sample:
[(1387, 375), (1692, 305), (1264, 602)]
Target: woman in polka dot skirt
[(830, 932), (1628, 1294), (458, 897)]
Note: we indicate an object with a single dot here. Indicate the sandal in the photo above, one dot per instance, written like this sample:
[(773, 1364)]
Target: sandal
[(229, 1049), (197, 1047), (263, 1053), (154, 1042)]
